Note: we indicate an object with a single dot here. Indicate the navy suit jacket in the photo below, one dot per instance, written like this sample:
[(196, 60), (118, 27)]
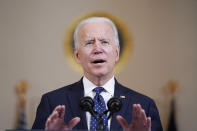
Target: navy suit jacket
[(70, 96)]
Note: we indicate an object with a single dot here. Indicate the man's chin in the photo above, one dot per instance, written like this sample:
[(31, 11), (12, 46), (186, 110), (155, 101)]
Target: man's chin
[(101, 73)]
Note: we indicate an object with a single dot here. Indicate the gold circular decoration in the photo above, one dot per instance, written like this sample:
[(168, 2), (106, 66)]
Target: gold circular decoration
[(124, 38)]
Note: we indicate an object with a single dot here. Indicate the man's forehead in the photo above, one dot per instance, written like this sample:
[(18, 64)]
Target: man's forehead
[(97, 29), (87, 36), (99, 37)]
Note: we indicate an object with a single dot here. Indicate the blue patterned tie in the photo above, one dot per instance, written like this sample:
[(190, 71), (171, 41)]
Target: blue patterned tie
[(99, 107)]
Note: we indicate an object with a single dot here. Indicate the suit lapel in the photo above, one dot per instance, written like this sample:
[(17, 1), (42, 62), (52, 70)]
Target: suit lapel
[(75, 94), (123, 95)]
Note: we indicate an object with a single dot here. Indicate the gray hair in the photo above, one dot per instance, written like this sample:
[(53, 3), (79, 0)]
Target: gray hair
[(95, 19)]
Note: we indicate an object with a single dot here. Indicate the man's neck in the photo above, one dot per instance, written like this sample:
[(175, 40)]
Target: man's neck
[(99, 80)]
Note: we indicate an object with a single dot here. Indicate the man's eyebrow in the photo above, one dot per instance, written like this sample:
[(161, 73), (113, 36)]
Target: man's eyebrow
[(104, 39), (90, 39)]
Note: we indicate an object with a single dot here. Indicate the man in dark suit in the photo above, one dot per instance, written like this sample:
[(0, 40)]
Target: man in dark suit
[(97, 50)]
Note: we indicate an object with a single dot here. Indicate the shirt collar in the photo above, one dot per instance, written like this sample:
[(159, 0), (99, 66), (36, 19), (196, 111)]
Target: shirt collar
[(89, 86)]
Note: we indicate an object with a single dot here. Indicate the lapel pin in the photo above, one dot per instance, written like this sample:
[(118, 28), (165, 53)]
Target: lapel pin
[(123, 97)]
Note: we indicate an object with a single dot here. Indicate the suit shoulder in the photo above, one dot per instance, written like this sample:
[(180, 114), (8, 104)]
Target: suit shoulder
[(62, 90), (136, 95)]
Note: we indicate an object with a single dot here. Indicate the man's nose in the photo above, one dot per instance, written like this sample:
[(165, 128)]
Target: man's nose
[(98, 47)]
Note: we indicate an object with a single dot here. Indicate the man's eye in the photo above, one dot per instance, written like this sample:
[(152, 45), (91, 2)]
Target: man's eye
[(89, 43), (105, 42)]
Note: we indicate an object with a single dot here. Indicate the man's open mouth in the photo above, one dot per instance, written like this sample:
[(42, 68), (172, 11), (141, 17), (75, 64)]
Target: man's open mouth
[(98, 61)]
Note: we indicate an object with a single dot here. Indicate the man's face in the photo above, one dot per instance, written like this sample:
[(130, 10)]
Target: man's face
[(97, 51)]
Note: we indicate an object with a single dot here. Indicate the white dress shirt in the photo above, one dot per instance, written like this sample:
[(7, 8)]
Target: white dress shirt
[(107, 94)]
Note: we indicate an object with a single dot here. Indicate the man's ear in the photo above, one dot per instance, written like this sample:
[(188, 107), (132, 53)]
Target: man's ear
[(76, 53), (117, 53)]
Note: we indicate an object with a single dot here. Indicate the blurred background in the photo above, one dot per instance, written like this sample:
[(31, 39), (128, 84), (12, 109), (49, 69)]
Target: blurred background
[(164, 49)]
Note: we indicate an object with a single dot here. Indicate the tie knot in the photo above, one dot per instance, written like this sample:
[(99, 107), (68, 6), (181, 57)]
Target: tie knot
[(98, 90)]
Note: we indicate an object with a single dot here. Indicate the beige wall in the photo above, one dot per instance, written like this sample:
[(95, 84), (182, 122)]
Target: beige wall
[(164, 34)]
